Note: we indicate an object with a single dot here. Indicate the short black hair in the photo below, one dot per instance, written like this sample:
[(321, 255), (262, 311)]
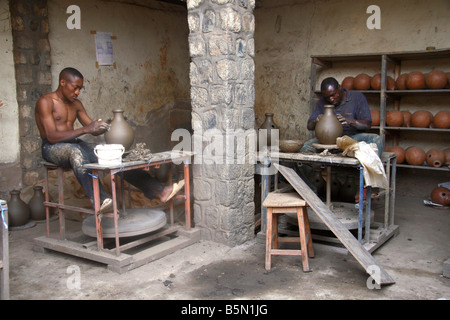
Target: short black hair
[(71, 72), (329, 82)]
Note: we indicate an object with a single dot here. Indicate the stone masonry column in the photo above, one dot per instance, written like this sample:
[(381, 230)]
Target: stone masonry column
[(221, 44)]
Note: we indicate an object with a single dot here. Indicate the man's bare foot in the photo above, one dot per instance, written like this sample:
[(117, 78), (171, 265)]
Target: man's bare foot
[(165, 193), (173, 191)]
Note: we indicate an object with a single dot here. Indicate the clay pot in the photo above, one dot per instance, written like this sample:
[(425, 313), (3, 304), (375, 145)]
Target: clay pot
[(375, 83), (328, 129), (441, 195), (447, 156), (361, 82), (36, 204), (442, 120), (121, 131), (415, 81), (400, 83), (399, 152), (347, 83), (390, 85), (18, 211), (406, 118), (436, 79), (435, 158), (269, 125), (448, 80), (375, 115), (415, 156), (421, 119), (394, 118)]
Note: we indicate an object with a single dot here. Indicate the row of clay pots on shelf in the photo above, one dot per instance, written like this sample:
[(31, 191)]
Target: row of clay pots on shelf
[(418, 119), (415, 80), (417, 156)]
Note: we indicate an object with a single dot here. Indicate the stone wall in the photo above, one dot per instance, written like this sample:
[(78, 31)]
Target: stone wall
[(31, 50), (221, 47)]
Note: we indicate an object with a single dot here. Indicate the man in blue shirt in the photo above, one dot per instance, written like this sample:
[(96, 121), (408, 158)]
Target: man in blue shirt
[(352, 110)]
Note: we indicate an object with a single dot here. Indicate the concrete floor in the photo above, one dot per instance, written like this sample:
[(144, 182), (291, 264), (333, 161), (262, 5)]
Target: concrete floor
[(211, 271)]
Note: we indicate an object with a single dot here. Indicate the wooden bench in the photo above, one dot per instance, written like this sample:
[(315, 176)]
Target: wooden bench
[(281, 203)]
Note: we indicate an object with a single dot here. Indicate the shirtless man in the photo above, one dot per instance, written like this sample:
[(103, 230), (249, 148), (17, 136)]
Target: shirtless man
[(56, 113)]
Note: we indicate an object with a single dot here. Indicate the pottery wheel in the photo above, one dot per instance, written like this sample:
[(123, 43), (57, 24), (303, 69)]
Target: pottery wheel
[(345, 212), (325, 146), (135, 222)]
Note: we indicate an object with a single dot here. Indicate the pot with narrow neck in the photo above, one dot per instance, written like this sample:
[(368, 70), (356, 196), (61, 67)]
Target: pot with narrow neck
[(121, 131), (328, 129), (271, 134)]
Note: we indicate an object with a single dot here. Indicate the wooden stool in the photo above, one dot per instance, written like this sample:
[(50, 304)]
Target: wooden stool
[(280, 203)]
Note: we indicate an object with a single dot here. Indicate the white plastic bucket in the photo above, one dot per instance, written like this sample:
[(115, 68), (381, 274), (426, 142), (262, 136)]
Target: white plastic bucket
[(109, 154)]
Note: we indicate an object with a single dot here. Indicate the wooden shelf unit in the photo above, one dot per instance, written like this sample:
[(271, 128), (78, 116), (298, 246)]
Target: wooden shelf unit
[(390, 64)]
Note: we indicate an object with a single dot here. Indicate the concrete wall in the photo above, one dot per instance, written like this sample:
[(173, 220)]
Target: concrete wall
[(151, 55)]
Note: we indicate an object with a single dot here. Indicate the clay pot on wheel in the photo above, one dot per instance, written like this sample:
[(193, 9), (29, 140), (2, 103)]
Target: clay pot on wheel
[(328, 129), (421, 119), (347, 83), (394, 118), (399, 152), (441, 195), (375, 115), (271, 127), (435, 158), (436, 79), (415, 156), (121, 131), (442, 120), (400, 83), (361, 82), (415, 81)]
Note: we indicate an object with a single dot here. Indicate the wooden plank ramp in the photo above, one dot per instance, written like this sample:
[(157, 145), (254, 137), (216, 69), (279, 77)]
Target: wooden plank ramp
[(358, 251)]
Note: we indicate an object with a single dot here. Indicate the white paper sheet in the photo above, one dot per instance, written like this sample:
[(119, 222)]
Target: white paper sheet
[(104, 48)]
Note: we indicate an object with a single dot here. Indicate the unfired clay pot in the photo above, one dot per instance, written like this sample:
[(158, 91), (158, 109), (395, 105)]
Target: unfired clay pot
[(394, 118), (436, 79), (121, 131), (347, 83), (375, 115), (415, 81), (415, 156), (328, 129), (361, 82), (421, 119), (269, 125), (435, 158), (18, 211), (400, 83), (442, 120), (399, 152), (406, 118), (441, 195), (36, 204)]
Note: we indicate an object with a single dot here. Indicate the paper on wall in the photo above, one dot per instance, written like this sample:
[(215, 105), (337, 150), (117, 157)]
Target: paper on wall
[(104, 48)]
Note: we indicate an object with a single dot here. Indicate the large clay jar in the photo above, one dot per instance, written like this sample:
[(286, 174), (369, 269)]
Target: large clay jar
[(36, 204), (400, 83), (347, 83), (121, 131), (441, 195), (435, 158), (447, 156), (442, 120), (361, 82), (415, 81), (421, 119), (415, 156), (269, 125), (406, 118), (328, 129), (375, 115), (18, 211), (399, 153), (394, 118), (436, 79)]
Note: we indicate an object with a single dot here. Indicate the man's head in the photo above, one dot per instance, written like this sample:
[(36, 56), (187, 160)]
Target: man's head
[(331, 91), (70, 83)]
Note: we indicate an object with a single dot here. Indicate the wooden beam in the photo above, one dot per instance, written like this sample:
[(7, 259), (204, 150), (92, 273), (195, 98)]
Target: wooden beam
[(337, 227)]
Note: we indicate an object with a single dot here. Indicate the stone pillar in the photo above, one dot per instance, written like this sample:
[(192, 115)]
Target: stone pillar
[(221, 44), (31, 50)]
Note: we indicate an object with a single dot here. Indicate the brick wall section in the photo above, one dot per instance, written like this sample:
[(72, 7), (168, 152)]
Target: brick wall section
[(221, 43), (31, 48)]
